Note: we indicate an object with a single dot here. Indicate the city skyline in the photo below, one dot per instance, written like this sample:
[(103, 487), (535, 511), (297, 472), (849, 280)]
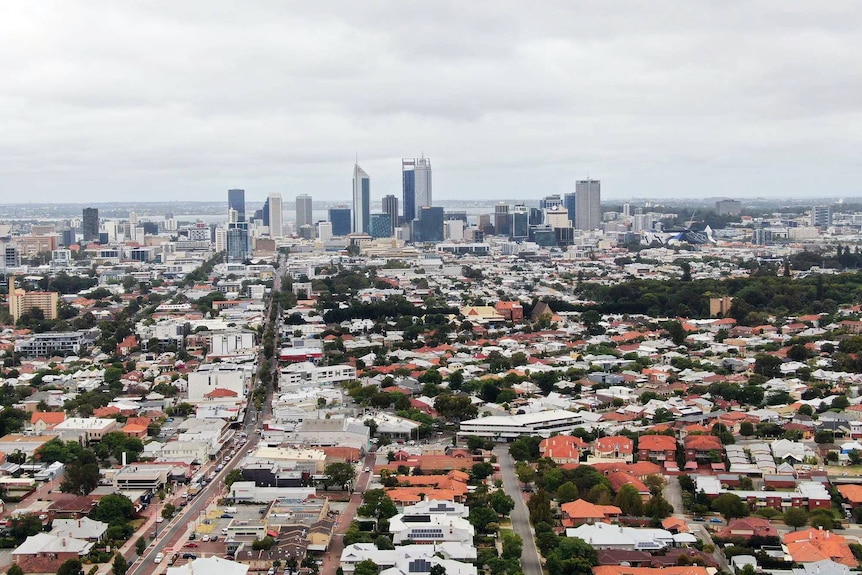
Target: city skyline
[(708, 102)]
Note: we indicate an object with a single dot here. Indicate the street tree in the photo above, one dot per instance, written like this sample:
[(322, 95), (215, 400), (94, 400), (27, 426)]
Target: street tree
[(795, 517)]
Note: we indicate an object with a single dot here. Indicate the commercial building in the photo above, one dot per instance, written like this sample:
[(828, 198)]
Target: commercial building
[(361, 200), (274, 215), (90, 429), (390, 206), (340, 219), (511, 427), (430, 528), (416, 186), (728, 207), (236, 202), (90, 224), (380, 226), (303, 211), (588, 204), (430, 224), (217, 381), (142, 476), (570, 203), (308, 373)]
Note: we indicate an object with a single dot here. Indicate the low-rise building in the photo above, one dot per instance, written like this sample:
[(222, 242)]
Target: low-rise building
[(509, 427), (45, 552)]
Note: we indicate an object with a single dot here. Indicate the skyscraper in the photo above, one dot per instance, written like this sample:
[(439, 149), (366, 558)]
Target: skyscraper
[(416, 186), (550, 201), (390, 206), (275, 216), (502, 223), (303, 211), (90, 224), (361, 200), (588, 204), (570, 203), (520, 225), (236, 238), (380, 226), (340, 220), (236, 201), (430, 224)]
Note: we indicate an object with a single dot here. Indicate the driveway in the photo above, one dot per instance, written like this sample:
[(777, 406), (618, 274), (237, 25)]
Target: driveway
[(530, 562)]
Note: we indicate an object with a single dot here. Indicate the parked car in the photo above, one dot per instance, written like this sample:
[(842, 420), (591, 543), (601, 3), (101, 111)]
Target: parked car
[(205, 538), (226, 516), (193, 536), (189, 556), (699, 518), (367, 469), (159, 519), (213, 537), (191, 545)]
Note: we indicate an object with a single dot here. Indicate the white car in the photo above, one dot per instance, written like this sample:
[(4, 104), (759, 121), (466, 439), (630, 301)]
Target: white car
[(158, 558), (205, 538), (159, 519), (367, 469)]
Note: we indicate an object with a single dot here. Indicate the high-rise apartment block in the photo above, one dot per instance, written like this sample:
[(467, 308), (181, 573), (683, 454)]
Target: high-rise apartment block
[(236, 201), (390, 206), (416, 186), (90, 224), (340, 220), (21, 301), (821, 216), (304, 215), (361, 200), (588, 204)]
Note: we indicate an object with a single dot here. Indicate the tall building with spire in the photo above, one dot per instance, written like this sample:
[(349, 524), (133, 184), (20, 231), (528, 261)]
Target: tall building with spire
[(415, 186), (361, 200)]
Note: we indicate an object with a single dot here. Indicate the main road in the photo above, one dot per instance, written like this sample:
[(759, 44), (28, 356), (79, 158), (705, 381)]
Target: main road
[(530, 562), (172, 534)]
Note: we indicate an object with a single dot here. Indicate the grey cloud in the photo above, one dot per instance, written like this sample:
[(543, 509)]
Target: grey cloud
[(507, 98)]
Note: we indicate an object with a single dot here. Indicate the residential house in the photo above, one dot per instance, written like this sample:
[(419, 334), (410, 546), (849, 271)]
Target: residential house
[(657, 448), (45, 552), (614, 447), (701, 447), (563, 449), (581, 511)]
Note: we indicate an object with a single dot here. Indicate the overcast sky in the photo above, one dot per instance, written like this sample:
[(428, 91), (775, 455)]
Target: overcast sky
[(108, 100)]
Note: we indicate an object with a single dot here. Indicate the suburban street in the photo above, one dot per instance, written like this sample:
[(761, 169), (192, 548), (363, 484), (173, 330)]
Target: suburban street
[(332, 559), (530, 562), (673, 494)]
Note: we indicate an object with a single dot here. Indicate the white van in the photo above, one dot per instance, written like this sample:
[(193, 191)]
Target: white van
[(230, 509), (158, 558)]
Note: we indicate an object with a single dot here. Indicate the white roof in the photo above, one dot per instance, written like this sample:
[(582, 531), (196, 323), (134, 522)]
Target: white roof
[(208, 566), (47, 543)]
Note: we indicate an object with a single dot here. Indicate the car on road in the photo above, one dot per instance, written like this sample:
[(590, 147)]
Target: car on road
[(158, 558), (367, 469), (714, 520), (698, 518), (191, 545)]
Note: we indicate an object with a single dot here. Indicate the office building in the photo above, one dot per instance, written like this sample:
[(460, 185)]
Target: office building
[(570, 203), (537, 217), (390, 206), (324, 231), (340, 220), (236, 238), (90, 224), (430, 225), (380, 226), (361, 200), (550, 201), (274, 216), (416, 186), (502, 226), (588, 204), (728, 207), (303, 211), (236, 201), (821, 216), (520, 222)]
